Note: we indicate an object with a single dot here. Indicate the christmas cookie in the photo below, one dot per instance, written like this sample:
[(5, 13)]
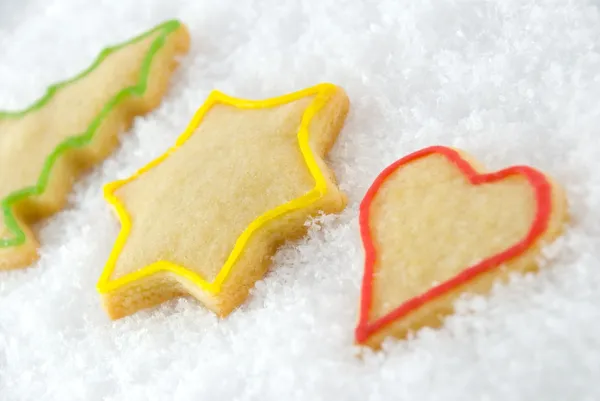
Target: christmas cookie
[(435, 225), (74, 126), (205, 217)]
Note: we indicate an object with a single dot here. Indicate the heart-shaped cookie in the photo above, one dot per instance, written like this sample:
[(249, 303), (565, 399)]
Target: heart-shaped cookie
[(434, 225)]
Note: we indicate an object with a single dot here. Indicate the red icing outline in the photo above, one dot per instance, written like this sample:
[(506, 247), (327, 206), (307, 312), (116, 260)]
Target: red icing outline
[(543, 192)]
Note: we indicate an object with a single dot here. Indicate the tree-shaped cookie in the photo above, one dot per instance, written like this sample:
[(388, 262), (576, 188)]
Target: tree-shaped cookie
[(435, 225), (75, 125), (205, 217)]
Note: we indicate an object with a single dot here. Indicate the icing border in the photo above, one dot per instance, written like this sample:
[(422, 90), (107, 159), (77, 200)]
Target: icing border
[(322, 93), (543, 196), (78, 140)]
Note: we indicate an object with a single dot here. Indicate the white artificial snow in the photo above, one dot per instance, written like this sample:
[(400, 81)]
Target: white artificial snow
[(509, 81)]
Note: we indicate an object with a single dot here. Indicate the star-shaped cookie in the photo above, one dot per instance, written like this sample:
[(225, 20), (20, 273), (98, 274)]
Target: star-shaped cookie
[(205, 217), (74, 126)]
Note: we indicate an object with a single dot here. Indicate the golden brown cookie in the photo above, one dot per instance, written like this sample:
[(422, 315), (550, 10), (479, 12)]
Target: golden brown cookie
[(435, 225), (205, 218), (74, 126)]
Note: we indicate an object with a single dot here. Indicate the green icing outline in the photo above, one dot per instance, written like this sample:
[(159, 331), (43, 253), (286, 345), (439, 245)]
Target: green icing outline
[(78, 140)]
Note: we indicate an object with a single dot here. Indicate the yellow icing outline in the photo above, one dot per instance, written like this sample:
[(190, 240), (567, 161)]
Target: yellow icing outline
[(322, 93)]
